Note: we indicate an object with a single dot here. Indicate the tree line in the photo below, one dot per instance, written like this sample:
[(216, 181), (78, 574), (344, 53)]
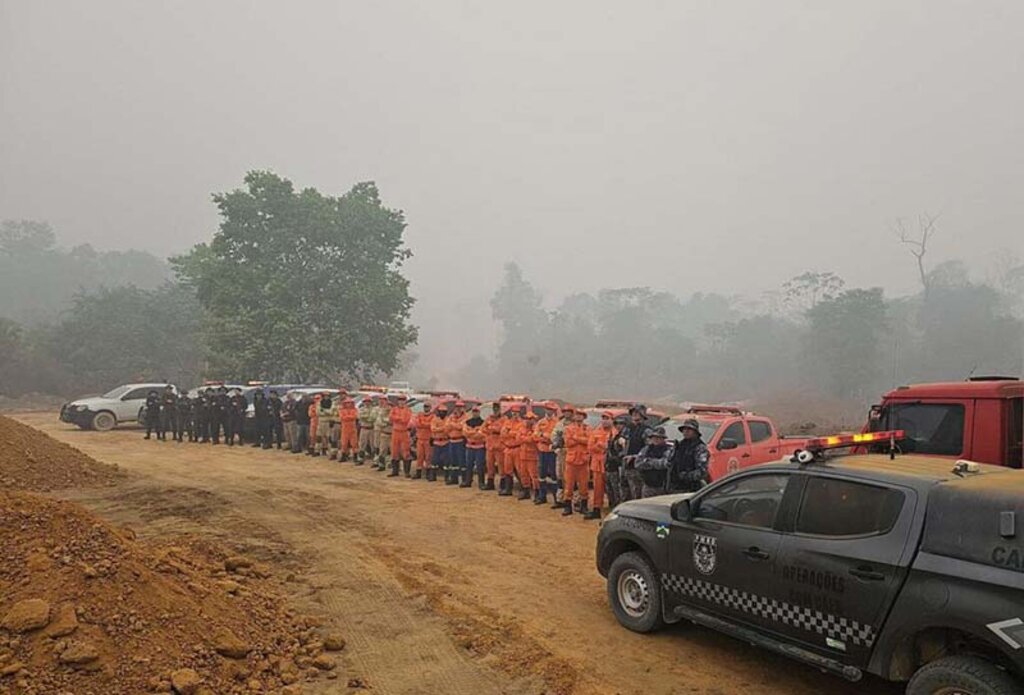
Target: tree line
[(271, 296)]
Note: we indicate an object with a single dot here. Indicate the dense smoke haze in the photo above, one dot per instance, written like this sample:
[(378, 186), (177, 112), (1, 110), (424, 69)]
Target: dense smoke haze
[(686, 147)]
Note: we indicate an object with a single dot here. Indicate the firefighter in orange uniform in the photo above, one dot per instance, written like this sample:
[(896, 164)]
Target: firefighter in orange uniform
[(528, 456), (577, 463), (597, 450), (492, 429), (349, 441), (439, 443), (510, 451), (476, 448), (401, 441), (456, 444), (314, 425), (546, 473), (422, 423)]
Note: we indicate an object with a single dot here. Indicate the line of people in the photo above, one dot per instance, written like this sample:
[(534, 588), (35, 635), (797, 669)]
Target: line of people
[(555, 456)]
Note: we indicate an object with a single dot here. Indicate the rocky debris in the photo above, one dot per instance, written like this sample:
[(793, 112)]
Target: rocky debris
[(31, 461), (78, 653), (228, 644), (237, 562), (324, 663), (185, 681), (334, 642), (29, 614), (64, 622)]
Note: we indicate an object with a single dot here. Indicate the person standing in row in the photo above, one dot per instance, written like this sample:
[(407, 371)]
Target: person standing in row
[(422, 424), (152, 414), (302, 423), (528, 462), (276, 421), (597, 450), (401, 440), (383, 430), (168, 414), (547, 474), (689, 471), (367, 420), (439, 444), (261, 420), (558, 446), (456, 444), (492, 431), (348, 416), (476, 448), (654, 463), (186, 422), (237, 406), (577, 464), (509, 452), (631, 439), (288, 419), (201, 416)]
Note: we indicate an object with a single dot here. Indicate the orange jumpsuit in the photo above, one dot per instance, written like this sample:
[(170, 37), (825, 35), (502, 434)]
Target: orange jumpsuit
[(528, 457), (597, 448), (314, 421), (349, 434), (576, 460), (492, 429), (510, 445), (422, 423), (401, 442)]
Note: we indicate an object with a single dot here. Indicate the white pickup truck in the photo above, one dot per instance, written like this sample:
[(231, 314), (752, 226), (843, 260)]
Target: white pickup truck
[(118, 406)]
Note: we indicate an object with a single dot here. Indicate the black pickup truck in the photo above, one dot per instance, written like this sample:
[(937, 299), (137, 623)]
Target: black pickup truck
[(911, 568)]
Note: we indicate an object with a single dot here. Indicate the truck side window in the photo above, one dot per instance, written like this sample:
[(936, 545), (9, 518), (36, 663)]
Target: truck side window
[(752, 500), (136, 394), (760, 430), (833, 507), (734, 432), (931, 428)]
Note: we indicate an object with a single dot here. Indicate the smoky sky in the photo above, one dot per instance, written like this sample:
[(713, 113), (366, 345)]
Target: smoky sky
[(688, 146)]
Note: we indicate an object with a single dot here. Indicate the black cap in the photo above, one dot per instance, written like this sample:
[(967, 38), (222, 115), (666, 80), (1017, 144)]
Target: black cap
[(658, 432)]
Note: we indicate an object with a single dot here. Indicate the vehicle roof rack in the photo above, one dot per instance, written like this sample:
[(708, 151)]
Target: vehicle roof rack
[(993, 378)]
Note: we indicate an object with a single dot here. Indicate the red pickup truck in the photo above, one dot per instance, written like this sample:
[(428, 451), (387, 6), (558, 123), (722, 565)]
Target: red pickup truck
[(980, 419), (736, 439)]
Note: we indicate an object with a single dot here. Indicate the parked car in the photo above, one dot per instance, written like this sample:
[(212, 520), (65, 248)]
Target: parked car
[(124, 404), (909, 568)]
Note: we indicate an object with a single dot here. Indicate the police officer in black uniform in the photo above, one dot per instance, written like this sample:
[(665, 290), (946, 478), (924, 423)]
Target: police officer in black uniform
[(168, 414), (276, 423), (236, 416), (261, 419), (689, 471), (201, 416), (153, 414), (186, 421), (219, 414)]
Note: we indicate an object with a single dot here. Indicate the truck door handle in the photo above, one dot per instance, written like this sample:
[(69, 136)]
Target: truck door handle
[(755, 553), (772, 451), (746, 456), (867, 573)]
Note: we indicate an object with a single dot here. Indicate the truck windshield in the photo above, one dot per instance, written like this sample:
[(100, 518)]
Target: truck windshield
[(931, 428)]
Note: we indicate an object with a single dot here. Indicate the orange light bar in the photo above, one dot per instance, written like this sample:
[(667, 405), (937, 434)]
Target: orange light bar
[(838, 441)]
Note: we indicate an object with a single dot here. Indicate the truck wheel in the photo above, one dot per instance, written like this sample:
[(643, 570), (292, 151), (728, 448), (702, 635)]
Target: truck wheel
[(103, 421), (962, 675), (634, 592)]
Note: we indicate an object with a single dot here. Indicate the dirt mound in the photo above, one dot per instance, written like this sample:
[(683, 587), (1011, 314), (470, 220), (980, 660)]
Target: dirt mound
[(30, 460), (85, 608)]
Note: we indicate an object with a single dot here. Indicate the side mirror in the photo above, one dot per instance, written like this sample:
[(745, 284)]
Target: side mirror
[(681, 510), (727, 443)]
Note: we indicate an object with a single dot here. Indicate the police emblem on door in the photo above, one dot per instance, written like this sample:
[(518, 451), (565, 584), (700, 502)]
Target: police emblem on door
[(705, 557)]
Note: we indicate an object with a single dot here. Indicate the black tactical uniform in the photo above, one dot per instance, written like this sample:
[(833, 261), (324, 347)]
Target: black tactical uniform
[(201, 416), (236, 417), (219, 414), (153, 414), (276, 422), (186, 423), (653, 463), (261, 419), (689, 471), (168, 414)]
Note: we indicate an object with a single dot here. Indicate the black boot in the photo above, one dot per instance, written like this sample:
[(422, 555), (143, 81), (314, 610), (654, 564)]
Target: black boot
[(490, 484), (431, 475), (407, 468), (394, 470), (480, 483), (451, 477), (524, 494), (593, 514), (583, 506), (417, 474), (505, 486), (467, 478), (567, 509), (559, 504)]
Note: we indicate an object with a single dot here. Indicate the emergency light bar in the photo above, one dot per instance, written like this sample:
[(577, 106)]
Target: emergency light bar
[(257, 383), (838, 441)]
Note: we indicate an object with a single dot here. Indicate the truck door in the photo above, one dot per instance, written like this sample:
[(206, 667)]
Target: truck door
[(764, 441), (732, 448), (843, 563), (130, 404), (722, 559)]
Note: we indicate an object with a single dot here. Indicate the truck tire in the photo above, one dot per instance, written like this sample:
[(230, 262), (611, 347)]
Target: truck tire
[(963, 675), (635, 593), (103, 421)]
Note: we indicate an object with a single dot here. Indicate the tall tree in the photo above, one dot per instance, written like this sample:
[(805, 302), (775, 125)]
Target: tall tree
[(843, 342), (516, 306), (302, 285)]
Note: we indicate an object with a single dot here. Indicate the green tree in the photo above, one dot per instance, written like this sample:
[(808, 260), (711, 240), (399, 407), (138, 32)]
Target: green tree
[(843, 342), (516, 306), (804, 291), (301, 285)]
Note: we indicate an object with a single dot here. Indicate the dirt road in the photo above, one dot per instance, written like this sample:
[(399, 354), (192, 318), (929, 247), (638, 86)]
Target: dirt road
[(439, 590)]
